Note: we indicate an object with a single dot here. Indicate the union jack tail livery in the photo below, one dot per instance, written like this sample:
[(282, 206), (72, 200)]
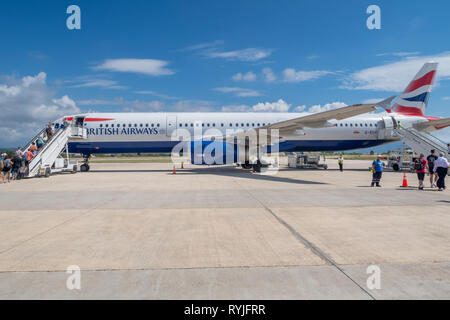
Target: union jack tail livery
[(413, 101)]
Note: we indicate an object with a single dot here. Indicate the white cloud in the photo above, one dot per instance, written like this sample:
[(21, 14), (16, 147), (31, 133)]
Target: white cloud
[(291, 75), (150, 67), (395, 76), (269, 76), (326, 107), (249, 76), (203, 45), (278, 106), (91, 83), (300, 108), (156, 94), (239, 92), (444, 98), (26, 105), (399, 54), (249, 54)]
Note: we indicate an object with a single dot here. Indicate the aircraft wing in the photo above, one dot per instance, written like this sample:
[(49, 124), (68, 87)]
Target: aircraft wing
[(432, 125), (320, 120)]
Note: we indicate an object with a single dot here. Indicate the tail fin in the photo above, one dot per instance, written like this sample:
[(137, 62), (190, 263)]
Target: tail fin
[(413, 101)]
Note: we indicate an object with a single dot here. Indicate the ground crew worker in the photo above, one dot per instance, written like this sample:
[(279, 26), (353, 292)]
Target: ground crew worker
[(433, 177), (341, 163), (377, 171), (399, 125), (420, 166), (441, 168)]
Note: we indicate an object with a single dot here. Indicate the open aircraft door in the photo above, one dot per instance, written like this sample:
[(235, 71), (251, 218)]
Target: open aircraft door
[(171, 125), (386, 128)]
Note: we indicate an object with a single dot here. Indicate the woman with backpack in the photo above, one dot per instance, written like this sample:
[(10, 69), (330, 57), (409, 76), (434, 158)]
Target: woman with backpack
[(420, 166), (6, 170)]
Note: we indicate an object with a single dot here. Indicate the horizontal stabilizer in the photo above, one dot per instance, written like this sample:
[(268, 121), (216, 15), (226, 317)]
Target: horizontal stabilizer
[(432, 125)]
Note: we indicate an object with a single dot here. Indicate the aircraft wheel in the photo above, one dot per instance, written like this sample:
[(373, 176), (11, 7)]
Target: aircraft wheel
[(257, 167), (246, 165), (84, 168), (396, 167)]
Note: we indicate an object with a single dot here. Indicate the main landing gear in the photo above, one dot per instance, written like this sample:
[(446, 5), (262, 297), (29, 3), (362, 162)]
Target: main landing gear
[(85, 166)]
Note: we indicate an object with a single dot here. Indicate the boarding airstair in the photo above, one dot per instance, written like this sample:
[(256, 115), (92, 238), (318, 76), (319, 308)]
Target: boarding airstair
[(421, 142), (45, 158)]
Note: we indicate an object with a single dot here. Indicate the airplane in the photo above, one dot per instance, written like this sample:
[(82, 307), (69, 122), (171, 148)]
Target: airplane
[(347, 128)]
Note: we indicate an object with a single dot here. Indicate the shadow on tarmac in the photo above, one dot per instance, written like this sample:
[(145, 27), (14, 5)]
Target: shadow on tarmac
[(223, 171)]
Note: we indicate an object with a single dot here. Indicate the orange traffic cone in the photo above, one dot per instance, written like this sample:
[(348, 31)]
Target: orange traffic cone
[(174, 171), (405, 181)]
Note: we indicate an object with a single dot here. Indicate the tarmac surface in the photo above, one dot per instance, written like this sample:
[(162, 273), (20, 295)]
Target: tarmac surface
[(137, 231)]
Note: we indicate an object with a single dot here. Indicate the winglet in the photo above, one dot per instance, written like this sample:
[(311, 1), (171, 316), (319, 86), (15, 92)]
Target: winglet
[(386, 104)]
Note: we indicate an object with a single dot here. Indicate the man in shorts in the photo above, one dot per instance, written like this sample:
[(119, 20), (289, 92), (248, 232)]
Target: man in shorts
[(420, 166)]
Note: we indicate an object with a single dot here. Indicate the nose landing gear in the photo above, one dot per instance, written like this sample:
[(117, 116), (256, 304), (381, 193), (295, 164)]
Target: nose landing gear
[(85, 166)]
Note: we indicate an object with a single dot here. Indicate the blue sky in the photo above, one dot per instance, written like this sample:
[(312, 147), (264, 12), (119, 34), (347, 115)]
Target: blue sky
[(212, 56)]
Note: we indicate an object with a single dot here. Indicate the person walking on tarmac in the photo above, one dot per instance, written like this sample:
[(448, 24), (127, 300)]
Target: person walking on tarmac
[(441, 168), (377, 171), (420, 166), (431, 159), (341, 162)]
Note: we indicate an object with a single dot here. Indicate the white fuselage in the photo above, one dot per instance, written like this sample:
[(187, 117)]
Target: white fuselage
[(154, 132)]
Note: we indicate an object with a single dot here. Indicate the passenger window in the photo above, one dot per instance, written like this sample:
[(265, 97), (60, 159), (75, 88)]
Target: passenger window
[(221, 124), (157, 125), (214, 124), (192, 124), (101, 125), (346, 125), (141, 125), (153, 125), (181, 125)]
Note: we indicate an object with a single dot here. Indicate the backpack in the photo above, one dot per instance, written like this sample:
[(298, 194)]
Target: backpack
[(7, 164), (418, 165)]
